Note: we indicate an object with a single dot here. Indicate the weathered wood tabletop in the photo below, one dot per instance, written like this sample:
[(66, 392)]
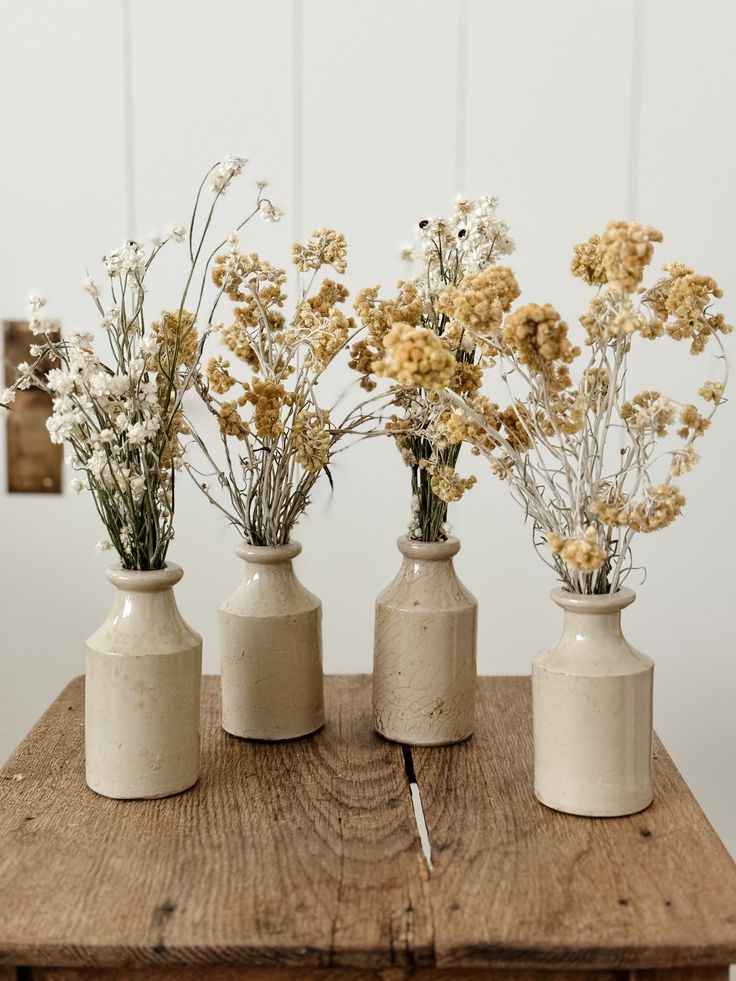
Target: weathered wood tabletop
[(303, 860)]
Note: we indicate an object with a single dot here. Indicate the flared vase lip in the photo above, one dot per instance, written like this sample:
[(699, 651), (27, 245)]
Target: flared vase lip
[(152, 581), (593, 602), (268, 554), (428, 551)]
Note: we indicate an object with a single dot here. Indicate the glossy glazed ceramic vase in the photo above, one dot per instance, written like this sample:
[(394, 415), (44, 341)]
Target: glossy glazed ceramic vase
[(142, 714), (592, 708), (271, 649), (424, 656)]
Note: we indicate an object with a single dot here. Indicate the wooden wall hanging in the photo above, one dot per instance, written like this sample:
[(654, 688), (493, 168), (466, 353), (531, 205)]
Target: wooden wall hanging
[(33, 461)]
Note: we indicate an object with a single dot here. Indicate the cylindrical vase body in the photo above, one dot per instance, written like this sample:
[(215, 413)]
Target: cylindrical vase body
[(142, 699), (271, 650), (424, 655), (592, 707)]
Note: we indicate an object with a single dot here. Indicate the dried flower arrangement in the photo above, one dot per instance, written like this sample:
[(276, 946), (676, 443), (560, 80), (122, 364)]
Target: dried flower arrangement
[(276, 439), (121, 415), (414, 341), (590, 466)]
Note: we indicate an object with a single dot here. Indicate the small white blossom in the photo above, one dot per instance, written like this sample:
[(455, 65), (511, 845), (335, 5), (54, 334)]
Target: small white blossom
[(177, 233), (36, 301), (7, 397), (78, 485), (91, 287), (269, 212), (149, 346), (225, 171), (60, 381), (103, 546)]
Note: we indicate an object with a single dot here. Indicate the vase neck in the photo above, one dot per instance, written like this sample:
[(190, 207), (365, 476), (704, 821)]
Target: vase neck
[(595, 628)]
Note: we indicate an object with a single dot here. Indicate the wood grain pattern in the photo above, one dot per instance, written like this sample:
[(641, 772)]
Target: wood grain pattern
[(301, 860), (353, 974), (301, 853), (516, 883)]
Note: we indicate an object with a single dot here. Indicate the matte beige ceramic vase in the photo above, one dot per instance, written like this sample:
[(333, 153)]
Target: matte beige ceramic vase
[(144, 668), (271, 649), (592, 706), (424, 673)]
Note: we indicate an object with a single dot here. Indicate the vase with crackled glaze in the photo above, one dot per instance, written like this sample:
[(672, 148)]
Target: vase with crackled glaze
[(142, 693), (271, 649), (424, 656), (592, 709)]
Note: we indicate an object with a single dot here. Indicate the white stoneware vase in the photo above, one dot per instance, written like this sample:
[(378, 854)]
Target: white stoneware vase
[(271, 649), (592, 707), (142, 711), (424, 673)]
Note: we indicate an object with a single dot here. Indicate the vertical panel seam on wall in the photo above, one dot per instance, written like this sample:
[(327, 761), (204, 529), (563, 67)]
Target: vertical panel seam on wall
[(635, 107), (128, 114), (461, 97), (297, 119)]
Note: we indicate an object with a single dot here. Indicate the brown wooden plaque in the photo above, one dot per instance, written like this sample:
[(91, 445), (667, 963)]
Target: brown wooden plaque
[(33, 461)]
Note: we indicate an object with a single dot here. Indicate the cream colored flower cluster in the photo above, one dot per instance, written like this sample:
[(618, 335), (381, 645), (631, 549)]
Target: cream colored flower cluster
[(430, 337), (590, 466)]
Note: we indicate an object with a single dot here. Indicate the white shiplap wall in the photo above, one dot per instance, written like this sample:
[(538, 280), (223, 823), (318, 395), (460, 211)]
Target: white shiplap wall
[(366, 116)]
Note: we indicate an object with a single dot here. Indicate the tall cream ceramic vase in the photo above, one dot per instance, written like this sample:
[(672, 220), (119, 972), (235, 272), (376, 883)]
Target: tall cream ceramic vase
[(424, 673), (271, 649), (144, 668), (592, 706)]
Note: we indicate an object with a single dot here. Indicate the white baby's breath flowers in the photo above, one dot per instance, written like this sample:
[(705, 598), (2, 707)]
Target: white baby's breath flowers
[(104, 545), (91, 287), (36, 301), (269, 212), (225, 171)]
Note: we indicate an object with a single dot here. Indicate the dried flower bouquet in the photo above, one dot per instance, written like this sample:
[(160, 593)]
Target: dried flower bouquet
[(412, 340), (121, 414), (276, 437), (590, 466)]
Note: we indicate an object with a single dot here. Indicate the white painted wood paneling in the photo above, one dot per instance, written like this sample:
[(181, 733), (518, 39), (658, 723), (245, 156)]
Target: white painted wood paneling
[(63, 206)]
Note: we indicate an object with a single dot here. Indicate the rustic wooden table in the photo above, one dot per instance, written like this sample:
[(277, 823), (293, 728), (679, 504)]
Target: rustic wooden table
[(303, 860)]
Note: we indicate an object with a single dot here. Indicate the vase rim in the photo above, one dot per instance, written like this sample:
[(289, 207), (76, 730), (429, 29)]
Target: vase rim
[(593, 602), (149, 581), (428, 551), (268, 554)]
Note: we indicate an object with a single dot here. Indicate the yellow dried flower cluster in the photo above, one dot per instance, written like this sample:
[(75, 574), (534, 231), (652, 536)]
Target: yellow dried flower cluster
[(658, 508), (584, 553), (479, 302), (268, 398), (466, 378), (681, 303), (253, 282), (445, 483), (321, 327), (618, 257), (563, 413), (587, 262), (312, 440), (649, 412), (693, 423), (218, 376), (378, 317), (231, 423), (683, 460), (538, 336), (178, 342), (324, 247), (712, 392), (415, 357)]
